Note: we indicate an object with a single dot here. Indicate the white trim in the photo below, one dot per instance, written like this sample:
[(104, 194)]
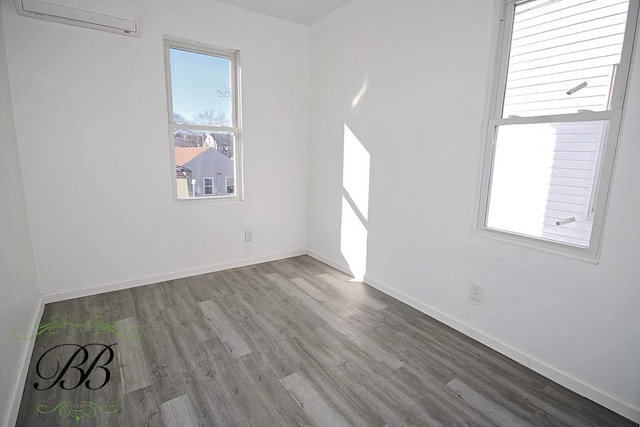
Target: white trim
[(605, 399), (623, 70), (548, 246), (507, 14), (618, 405), (239, 148), (198, 47), (330, 262), (586, 116), (204, 186), (206, 200), (491, 89), (23, 368), (226, 184), (142, 281), (213, 128)]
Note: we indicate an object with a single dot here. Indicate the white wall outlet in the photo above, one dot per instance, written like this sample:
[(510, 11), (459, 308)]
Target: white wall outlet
[(476, 292), (248, 235)]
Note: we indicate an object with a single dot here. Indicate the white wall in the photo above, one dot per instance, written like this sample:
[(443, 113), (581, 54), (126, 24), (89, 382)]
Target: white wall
[(410, 80), (20, 292), (91, 119)]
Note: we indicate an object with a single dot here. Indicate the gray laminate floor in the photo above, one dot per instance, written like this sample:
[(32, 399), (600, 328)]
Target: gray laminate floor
[(291, 342)]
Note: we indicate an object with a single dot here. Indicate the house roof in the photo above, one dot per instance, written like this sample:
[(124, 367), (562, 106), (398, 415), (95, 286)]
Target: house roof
[(185, 154)]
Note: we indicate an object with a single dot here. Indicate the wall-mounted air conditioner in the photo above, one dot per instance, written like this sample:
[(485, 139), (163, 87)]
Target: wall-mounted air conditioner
[(78, 17)]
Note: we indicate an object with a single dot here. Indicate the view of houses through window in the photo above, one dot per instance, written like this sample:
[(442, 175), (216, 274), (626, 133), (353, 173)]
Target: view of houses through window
[(203, 117)]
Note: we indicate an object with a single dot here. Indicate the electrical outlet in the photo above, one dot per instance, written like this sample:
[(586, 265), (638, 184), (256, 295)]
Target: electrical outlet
[(248, 236), (476, 292)]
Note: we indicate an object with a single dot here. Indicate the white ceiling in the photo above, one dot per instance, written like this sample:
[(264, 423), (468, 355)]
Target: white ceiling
[(304, 12)]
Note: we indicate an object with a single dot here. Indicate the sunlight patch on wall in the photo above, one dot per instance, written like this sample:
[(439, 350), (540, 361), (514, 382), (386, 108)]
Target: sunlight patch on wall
[(355, 172), (359, 95), (355, 204)]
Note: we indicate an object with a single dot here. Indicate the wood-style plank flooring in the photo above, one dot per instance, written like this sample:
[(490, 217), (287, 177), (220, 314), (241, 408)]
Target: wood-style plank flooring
[(291, 342)]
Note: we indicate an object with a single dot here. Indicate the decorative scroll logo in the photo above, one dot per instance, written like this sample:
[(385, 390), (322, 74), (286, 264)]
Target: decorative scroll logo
[(77, 411), (88, 364), (84, 374), (97, 323)]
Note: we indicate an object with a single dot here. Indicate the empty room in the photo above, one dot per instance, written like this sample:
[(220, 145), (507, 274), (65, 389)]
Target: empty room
[(322, 213)]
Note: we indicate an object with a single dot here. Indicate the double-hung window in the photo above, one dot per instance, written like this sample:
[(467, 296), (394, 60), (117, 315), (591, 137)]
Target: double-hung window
[(204, 112), (562, 71), (208, 185)]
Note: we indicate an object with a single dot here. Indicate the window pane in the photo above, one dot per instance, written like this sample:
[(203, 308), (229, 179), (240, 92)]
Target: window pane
[(543, 180), (201, 88), (231, 185), (563, 56), (208, 186), (204, 161)]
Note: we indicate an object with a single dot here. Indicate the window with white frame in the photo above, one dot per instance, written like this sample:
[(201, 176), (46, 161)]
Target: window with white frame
[(208, 185), (230, 185), (561, 77), (203, 88)]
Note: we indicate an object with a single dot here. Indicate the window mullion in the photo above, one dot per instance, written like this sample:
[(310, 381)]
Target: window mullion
[(213, 128), (560, 118)]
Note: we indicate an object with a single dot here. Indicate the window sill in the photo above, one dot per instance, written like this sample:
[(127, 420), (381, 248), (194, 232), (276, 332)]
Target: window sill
[(546, 246), (216, 200)]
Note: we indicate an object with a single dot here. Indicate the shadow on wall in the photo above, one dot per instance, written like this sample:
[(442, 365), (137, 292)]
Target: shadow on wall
[(355, 204)]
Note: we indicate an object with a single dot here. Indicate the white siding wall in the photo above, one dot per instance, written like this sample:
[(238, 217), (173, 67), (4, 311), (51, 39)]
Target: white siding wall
[(571, 187)]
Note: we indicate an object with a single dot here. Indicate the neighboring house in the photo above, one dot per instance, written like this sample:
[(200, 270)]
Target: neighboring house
[(183, 182), (207, 172)]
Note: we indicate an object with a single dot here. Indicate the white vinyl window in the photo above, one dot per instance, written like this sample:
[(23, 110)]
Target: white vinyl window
[(230, 186), (562, 72), (208, 185), (204, 116)]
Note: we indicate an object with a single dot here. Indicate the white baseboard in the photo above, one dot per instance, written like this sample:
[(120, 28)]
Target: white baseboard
[(338, 266), (14, 406), (23, 369), (110, 287), (620, 406), (613, 403)]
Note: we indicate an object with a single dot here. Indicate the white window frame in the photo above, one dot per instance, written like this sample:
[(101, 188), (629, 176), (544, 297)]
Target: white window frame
[(226, 183), (606, 164), (236, 116), (204, 185)]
